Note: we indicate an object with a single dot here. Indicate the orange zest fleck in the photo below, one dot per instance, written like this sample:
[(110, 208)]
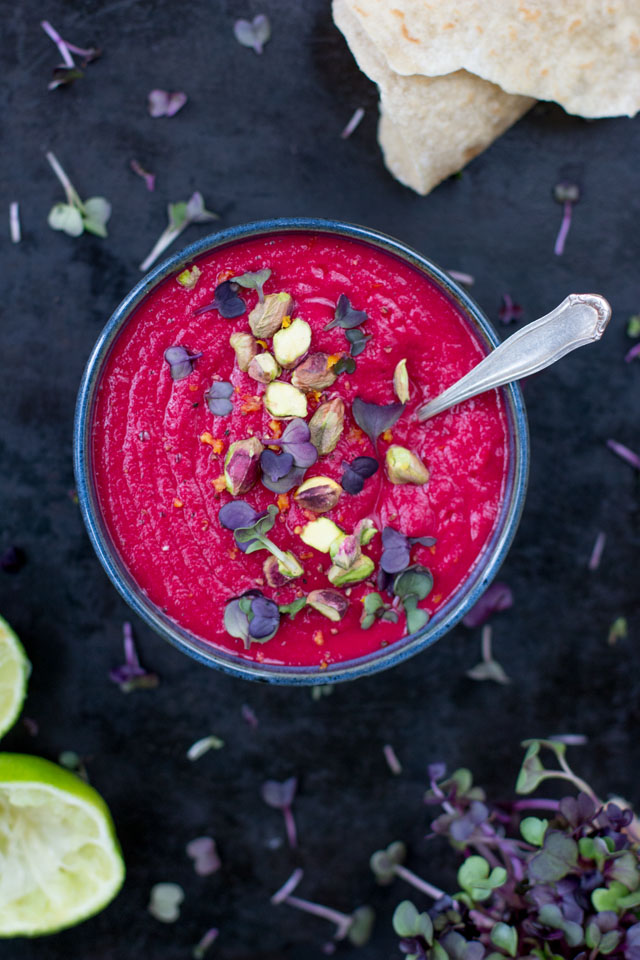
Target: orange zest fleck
[(388, 436), (283, 502), (219, 484), (263, 343), (276, 427), (178, 503), (251, 404), (193, 387), (224, 275), (333, 358), (318, 638), (297, 530), (286, 322), (206, 437)]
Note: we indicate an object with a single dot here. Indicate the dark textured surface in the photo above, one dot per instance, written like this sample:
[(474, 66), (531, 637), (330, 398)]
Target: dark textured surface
[(260, 138)]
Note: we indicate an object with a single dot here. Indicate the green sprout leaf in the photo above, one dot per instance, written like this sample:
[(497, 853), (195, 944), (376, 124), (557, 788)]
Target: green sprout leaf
[(608, 898), (477, 880), (63, 216), (505, 938), (254, 281), (294, 607), (533, 830), (405, 919), (95, 214), (384, 862)]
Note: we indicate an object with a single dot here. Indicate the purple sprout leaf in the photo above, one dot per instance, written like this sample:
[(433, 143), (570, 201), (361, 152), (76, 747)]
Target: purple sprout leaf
[(264, 618), (254, 280), (345, 316), (149, 178), (205, 856), (358, 340), (279, 794), (559, 855), (226, 301), (375, 418), (161, 103), (496, 597), (275, 465), (295, 441), (253, 33), (292, 479), (237, 514), (396, 553), (132, 675), (180, 362), (356, 472), (217, 397)]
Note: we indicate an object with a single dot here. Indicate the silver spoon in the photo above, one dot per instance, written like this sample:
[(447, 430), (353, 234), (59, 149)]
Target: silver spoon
[(581, 318)]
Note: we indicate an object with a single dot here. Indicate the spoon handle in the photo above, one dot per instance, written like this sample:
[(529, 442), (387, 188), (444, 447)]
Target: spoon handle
[(581, 318)]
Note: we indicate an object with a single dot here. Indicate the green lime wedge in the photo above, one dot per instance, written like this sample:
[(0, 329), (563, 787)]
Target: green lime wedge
[(60, 861), (14, 673)]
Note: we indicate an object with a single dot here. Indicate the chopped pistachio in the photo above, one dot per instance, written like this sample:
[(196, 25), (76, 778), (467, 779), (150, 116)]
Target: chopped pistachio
[(267, 317), (272, 573), (318, 494), (242, 465), (320, 534), (314, 373), (366, 531), (285, 401), (359, 571), (326, 426), (348, 552), (403, 466), (291, 343), (245, 349), (189, 278), (331, 603), (401, 381), (263, 368), (289, 566)]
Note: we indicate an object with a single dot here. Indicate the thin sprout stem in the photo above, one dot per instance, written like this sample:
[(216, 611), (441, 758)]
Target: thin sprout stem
[(288, 887), (290, 825), (14, 222), (72, 196), (564, 229), (341, 920), (410, 877), (59, 42), (534, 804), (79, 50), (165, 240), (576, 781), (486, 638)]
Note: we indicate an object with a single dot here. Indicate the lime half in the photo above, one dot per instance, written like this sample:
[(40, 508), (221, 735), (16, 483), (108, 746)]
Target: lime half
[(14, 673), (60, 861)]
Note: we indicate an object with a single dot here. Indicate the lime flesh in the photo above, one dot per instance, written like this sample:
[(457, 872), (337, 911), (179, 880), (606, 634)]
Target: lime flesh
[(14, 673), (60, 861)]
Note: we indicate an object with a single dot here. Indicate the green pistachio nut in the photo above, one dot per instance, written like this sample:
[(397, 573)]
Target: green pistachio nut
[(320, 534), (314, 373), (285, 401), (359, 571), (330, 603), (401, 381), (289, 566), (245, 349), (348, 552), (242, 465), (318, 494), (403, 466), (290, 344), (366, 530), (326, 426), (273, 575), (189, 278), (263, 368), (267, 317)]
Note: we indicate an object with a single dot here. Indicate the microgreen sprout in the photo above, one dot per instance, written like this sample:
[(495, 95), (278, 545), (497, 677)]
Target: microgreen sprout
[(217, 397), (345, 315), (374, 608), (296, 441), (392, 759), (75, 216), (226, 301), (254, 281), (375, 418), (358, 340), (202, 746), (205, 943), (67, 71), (389, 863), (180, 361), (131, 675), (204, 854), (496, 597), (509, 311), (566, 194), (357, 926), (149, 178), (354, 122), (597, 551), (181, 215), (356, 472), (255, 535), (488, 668), (411, 586), (624, 453), (14, 222), (396, 553), (161, 103), (253, 33), (280, 796), (165, 901), (253, 618)]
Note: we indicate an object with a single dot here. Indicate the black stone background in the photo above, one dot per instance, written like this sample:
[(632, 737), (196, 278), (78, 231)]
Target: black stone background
[(260, 138)]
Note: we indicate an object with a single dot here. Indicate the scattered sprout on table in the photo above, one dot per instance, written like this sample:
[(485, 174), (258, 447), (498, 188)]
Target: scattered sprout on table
[(15, 231), (205, 856), (180, 215), (204, 745), (488, 668), (280, 796), (497, 596), (253, 33), (149, 178), (66, 72), (566, 194), (161, 103), (353, 123), (75, 216), (164, 902), (131, 675)]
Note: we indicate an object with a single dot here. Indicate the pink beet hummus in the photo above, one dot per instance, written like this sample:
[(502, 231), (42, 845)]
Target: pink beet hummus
[(159, 453)]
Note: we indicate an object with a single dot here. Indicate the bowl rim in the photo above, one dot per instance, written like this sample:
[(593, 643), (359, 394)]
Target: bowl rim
[(467, 594)]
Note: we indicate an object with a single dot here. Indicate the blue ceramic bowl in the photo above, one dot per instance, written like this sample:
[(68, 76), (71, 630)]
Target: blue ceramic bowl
[(444, 619)]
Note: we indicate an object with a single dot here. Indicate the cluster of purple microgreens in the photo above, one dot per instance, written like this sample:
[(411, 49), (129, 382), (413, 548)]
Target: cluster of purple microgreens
[(563, 883), (253, 617)]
